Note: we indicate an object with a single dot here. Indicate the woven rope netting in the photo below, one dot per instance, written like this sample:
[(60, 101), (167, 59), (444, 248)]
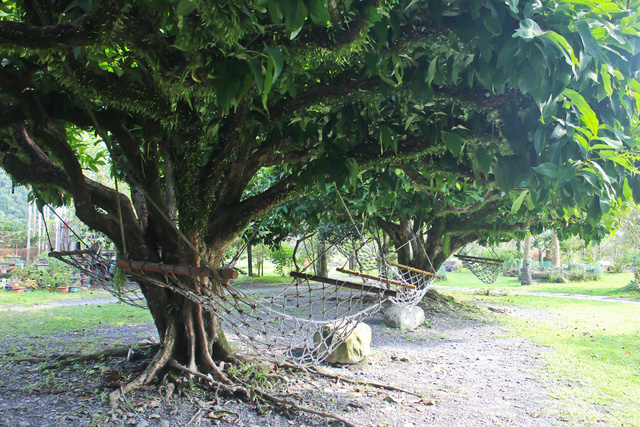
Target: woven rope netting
[(301, 323), (101, 271), (485, 269)]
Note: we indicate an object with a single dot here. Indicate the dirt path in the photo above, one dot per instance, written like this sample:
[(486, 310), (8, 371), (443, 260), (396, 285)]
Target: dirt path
[(467, 372)]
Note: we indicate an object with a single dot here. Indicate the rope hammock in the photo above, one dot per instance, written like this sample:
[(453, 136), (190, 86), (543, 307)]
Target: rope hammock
[(485, 269), (92, 263), (303, 323)]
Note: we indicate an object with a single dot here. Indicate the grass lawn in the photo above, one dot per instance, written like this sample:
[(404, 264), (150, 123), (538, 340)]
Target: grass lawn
[(595, 348), (609, 284), (41, 296), (44, 321)]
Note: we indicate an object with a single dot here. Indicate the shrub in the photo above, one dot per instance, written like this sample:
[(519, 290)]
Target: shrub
[(282, 258)]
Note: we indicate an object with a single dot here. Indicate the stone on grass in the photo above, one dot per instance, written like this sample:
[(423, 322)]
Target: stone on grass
[(404, 318), (355, 347)]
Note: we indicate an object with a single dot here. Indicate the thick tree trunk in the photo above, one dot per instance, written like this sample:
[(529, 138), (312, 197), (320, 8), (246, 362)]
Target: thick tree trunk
[(399, 235)]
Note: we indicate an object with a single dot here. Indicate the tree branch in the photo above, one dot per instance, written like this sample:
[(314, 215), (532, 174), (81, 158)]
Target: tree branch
[(236, 217), (77, 32)]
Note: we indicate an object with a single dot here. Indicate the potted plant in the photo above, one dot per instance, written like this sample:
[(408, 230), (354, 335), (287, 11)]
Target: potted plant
[(61, 281), (17, 287), (22, 280)]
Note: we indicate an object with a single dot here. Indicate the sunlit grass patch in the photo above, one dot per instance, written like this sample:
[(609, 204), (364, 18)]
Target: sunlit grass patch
[(41, 296), (45, 321), (612, 285), (595, 357)]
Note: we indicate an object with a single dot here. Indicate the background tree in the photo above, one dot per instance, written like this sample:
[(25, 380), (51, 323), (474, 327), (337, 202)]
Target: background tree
[(193, 100)]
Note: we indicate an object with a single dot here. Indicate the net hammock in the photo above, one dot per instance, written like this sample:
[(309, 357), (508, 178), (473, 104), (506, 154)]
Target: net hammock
[(485, 269), (302, 323), (100, 268)]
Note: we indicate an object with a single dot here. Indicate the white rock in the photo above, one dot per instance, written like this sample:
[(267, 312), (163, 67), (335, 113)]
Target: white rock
[(404, 318)]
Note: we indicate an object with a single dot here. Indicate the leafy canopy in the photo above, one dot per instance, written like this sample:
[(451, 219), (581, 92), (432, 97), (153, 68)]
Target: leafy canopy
[(197, 98)]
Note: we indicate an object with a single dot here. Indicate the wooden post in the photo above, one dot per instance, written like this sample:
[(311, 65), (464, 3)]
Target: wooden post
[(223, 274), (376, 278), (406, 267)]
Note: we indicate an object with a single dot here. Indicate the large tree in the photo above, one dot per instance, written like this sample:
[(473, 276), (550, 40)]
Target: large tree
[(193, 99)]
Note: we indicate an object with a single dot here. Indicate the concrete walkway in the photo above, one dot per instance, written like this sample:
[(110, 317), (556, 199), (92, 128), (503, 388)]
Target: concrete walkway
[(548, 294), (251, 288)]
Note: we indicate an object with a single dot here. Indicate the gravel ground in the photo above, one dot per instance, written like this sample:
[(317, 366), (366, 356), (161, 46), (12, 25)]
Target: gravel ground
[(466, 370)]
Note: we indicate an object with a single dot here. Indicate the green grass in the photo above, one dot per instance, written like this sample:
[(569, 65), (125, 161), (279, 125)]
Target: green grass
[(44, 321), (41, 296), (608, 285), (595, 348)]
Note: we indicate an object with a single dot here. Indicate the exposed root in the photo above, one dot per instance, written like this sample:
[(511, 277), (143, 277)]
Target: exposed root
[(72, 358), (315, 371), (158, 363), (246, 391), (365, 383)]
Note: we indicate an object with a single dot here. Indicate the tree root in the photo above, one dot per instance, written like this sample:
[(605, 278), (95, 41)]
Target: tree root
[(72, 358), (365, 383), (160, 361), (315, 371), (248, 390)]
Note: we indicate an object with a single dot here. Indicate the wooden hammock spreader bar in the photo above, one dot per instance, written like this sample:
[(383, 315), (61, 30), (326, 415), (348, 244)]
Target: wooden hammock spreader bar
[(478, 259), (350, 285), (406, 267), (376, 278), (72, 253), (223, 274)]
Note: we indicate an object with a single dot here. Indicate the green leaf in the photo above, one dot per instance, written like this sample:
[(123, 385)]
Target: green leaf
[(185, 7), (539, 140), (588, 115), (226, 88), (433, 68), (518, 202), (591, 46), (484, 159), (547, 169), (529, 29), (385, 136), (318, 10), (454, 143), (278, 62), (370, 13), (256, 68), (410, 4), (490, 23)]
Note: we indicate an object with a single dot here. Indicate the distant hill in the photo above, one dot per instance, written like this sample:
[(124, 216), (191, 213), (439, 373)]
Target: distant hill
[(13, 201)]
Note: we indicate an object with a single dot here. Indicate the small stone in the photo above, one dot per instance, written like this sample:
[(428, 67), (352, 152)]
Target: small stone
[(142, 423), (165, 423), (404, 318), (24, 424), (95, 415)]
